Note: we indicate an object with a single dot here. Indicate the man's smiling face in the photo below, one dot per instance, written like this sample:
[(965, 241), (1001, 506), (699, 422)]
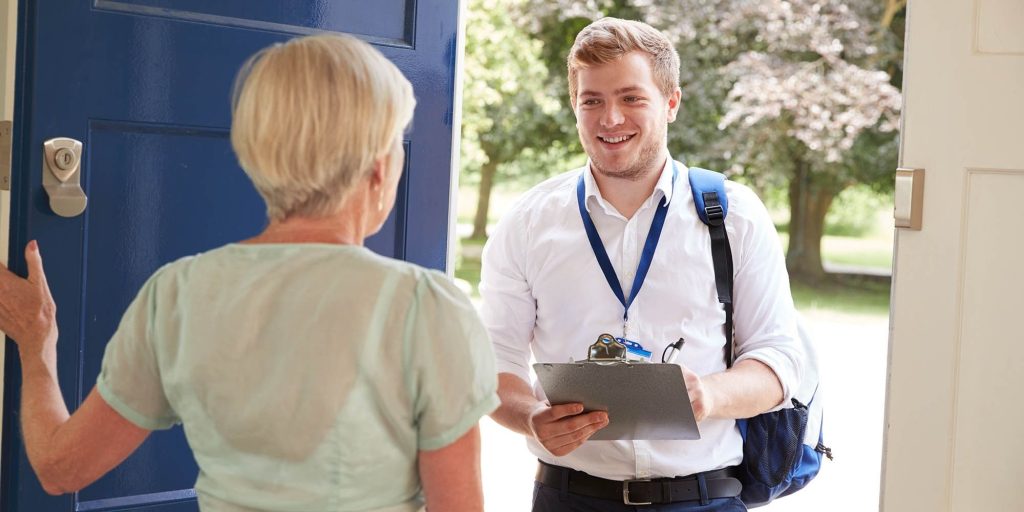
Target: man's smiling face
[(622, 116)]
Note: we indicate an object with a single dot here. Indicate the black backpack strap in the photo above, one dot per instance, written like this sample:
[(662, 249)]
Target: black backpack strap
[(721, 255), (712, 206)]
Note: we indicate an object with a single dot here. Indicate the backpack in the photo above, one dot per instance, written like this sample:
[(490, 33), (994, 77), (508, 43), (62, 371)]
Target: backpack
[(782, 449)]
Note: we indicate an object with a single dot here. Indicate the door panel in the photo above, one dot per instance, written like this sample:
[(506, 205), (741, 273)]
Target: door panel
[(952, 440), (991, 356), (146, 85), (389, 21)]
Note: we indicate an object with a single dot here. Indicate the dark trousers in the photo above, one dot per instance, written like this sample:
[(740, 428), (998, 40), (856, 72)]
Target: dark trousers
[(552, 499)]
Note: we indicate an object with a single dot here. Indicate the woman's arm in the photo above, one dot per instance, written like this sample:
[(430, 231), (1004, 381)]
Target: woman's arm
[(451, 475), (71, 452), (67, 452)]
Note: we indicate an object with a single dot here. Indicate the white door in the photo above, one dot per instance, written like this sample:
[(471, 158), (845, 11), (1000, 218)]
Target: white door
[(955, 412)]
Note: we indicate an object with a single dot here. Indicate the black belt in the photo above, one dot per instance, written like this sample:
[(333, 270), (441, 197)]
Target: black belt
[(720, 484)]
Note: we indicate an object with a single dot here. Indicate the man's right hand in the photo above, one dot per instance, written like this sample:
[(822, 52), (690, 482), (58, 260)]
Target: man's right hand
[(563, 428)]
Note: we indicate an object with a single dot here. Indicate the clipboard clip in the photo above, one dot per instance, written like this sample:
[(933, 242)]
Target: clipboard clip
[(607, 350)]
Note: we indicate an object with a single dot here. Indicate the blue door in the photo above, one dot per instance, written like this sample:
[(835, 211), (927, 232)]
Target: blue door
[(145, 86)]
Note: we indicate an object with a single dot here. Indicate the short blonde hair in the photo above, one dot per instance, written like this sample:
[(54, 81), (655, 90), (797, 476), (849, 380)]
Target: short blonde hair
[(608, 39), (310, 117)]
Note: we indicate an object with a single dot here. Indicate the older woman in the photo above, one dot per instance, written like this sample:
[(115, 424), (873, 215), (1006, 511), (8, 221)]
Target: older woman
[(308, 372)]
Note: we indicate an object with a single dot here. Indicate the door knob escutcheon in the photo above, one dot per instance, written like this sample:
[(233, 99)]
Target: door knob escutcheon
[(62, 166)]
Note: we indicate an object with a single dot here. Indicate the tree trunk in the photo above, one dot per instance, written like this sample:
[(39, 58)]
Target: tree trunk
[(483, 202), (809, 200), (892, 8)]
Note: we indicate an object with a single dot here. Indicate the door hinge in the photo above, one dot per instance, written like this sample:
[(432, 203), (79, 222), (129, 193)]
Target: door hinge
[(6, 142)]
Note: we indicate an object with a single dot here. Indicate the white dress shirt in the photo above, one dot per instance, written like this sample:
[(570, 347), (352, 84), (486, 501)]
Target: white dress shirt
[(544, 292)]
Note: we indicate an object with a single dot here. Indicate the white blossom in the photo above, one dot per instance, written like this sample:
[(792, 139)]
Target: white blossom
[(828, 105), (798, 61)]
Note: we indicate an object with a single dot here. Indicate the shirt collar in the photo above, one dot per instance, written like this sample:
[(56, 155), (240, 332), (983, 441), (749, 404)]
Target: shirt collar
[(664, 184)]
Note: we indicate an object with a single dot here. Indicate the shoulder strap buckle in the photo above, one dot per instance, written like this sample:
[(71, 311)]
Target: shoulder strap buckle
[(715, 214)]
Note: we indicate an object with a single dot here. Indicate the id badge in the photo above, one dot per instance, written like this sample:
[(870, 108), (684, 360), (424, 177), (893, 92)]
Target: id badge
[(635, 351)]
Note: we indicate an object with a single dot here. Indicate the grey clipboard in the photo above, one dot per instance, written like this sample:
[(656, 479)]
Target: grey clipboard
[(645, 401)]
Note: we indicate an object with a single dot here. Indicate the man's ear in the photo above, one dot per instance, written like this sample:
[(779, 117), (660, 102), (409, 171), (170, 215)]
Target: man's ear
[(675, 100)]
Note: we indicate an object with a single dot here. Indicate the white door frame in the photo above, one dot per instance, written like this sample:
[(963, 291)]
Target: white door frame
[(8, 43), (453, 192)]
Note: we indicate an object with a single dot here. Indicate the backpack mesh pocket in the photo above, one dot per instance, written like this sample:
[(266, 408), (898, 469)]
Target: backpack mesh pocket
[(773, 444)]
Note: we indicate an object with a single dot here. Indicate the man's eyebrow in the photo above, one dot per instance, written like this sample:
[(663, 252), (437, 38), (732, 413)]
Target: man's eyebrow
[(616, 92)]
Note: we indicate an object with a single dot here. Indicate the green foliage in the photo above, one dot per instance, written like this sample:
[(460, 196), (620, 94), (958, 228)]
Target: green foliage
[(855, 211), (510, 116)]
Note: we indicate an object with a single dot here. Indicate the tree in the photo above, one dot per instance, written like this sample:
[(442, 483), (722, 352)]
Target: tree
[(802, 98), (510, 122)]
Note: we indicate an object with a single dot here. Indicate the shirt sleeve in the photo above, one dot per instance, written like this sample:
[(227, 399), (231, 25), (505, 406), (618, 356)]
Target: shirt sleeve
[(453, 379), (509, 309), (765, 318), (129, 379)]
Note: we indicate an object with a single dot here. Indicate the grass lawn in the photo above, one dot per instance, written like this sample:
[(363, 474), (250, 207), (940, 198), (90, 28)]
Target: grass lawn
[(848, 295)]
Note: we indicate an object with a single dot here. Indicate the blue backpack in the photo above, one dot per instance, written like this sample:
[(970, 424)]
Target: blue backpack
[(782, 450)]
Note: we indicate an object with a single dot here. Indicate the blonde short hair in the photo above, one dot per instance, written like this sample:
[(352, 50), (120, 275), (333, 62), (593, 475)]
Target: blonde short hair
[(608, 39), (310, 117)]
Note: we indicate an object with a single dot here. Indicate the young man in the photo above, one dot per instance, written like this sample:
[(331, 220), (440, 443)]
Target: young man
[(545, 293)]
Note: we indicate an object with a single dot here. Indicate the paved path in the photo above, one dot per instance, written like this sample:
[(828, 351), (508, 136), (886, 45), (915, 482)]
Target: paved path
[(853, 351)]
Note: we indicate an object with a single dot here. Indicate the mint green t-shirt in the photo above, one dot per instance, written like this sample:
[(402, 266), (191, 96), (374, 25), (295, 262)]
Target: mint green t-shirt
[(307, 376)]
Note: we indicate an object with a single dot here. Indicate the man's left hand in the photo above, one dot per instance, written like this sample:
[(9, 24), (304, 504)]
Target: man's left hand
[(701, 399)]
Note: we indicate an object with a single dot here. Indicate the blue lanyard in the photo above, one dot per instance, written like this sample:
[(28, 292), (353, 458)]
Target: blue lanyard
[(645, 257)]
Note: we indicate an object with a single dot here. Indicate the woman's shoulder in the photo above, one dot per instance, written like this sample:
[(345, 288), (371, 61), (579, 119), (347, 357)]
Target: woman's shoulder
[(430, 291), (410, 273), (431, 285), (326, 264)]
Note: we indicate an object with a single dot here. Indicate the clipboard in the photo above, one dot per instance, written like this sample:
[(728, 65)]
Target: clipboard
[(645, 401)]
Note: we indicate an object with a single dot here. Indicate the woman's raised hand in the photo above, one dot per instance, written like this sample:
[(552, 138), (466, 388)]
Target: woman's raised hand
[(28, 314)]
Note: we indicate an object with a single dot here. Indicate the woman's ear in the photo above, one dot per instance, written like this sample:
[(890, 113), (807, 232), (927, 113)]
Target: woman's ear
[(378, 177)]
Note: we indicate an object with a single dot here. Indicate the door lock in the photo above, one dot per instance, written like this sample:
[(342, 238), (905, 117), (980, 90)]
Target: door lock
[(62, 165), (65, 159)]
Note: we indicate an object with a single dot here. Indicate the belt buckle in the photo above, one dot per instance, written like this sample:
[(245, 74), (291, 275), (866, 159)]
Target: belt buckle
[(625, 492)]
